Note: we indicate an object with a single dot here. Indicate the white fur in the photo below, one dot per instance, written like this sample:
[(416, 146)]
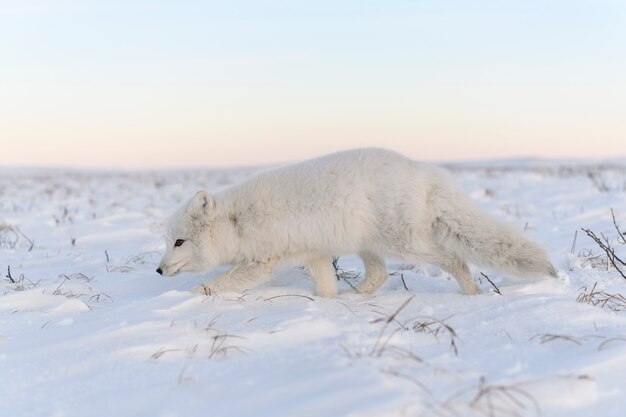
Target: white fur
[(372, 202)]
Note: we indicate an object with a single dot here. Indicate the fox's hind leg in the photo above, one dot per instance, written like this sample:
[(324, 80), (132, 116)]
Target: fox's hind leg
[(321, 270), (459, 270), (375, 272)]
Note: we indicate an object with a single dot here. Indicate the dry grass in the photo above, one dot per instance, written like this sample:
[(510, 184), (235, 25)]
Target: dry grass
[(143, 258), (287, 295), (90, 298), (347, 276), (383, 337), (607, 342), (498, 399), (397, 354), (382, 346), (125, 268), (219, 345), (550, 337), (614, 302), (596, 261), (607, 246), (401, 278), (437, 328), (78, 276), (21, 283), (621, 239), (598, 181), (183, 379), (11, 236), (493, 400), (406, 376)]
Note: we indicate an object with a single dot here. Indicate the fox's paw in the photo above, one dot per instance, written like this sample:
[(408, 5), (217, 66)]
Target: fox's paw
[(367, 287), (470, 288), (326, 293), (204, 289)]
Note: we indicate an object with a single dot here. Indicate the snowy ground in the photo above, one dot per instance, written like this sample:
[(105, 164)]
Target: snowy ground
[(87, 328)]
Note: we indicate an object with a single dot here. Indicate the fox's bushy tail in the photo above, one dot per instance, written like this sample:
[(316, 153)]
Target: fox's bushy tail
[(462, 228)]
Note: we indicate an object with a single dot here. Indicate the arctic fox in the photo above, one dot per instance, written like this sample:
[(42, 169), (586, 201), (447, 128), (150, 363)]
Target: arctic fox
[(373, 202)]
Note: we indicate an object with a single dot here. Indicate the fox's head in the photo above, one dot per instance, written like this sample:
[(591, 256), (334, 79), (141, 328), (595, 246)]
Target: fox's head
[(190, 239)]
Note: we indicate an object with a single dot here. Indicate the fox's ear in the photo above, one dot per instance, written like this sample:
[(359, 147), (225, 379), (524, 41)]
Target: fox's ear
[(202, 204)]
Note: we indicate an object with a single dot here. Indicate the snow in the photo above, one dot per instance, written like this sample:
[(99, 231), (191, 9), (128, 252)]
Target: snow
[(89, 328)]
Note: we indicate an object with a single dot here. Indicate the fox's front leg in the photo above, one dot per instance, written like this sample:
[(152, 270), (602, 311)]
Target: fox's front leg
[(239, 278)]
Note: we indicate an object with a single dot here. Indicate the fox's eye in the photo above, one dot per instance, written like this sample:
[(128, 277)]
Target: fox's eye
[(178, 243)]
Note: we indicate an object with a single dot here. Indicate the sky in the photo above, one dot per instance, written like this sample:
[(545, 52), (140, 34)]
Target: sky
[(163, 83)]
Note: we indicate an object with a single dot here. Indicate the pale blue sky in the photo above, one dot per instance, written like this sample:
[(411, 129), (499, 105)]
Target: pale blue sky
[(181, 83)]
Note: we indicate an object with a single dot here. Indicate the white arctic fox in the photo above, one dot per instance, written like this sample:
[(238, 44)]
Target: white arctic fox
[(372, 202)]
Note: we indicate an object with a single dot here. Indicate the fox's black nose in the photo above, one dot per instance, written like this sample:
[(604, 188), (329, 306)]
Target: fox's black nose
[(160, 271)]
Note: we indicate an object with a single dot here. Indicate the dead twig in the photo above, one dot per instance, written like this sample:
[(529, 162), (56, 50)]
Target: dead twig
[(20, 283), (9, 274), (346, 276), (495, 288), (335, 263), (58, 289), (610, 252), (401, 279), (403, 282), (621, 239)]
